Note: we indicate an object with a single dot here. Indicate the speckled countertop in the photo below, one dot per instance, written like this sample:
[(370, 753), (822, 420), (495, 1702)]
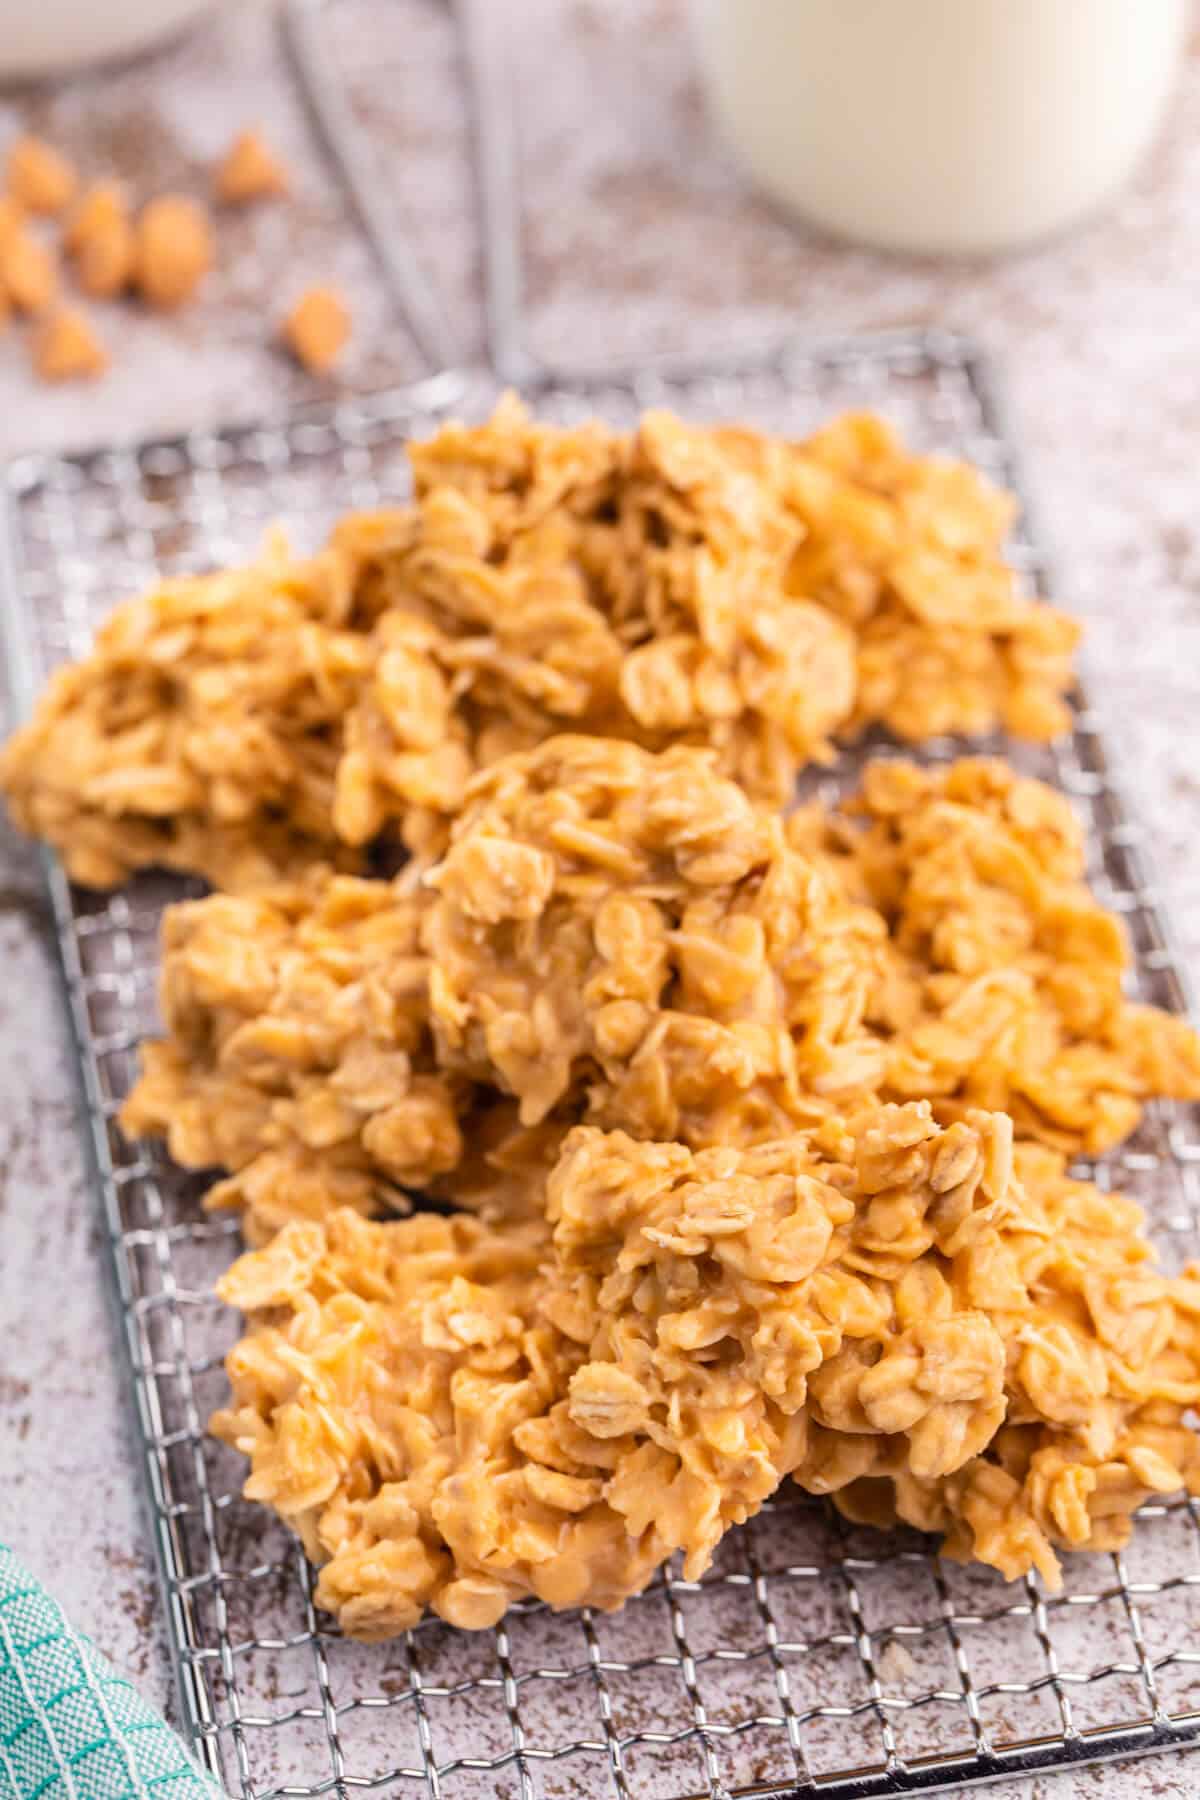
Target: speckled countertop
[(639, 233)]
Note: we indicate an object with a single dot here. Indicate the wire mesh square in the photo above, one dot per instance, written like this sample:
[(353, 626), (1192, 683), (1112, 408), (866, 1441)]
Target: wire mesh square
[(814, 1657)]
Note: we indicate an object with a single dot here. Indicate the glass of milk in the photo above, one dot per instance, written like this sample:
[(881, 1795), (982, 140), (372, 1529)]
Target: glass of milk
[(943, 126)]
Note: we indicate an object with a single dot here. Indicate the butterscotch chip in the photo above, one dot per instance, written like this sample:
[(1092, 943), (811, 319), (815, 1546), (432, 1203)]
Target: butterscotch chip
[(99, 237), (317, 329), (105, 262), (65, 348), (96, 208), (173, 250), (27, 271), (39, 177), (249, 171), (12, 219)]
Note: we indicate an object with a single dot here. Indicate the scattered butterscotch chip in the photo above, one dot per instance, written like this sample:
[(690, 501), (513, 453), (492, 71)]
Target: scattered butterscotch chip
[(248, 171), (317, 328), (173, 250), (12, 218), (39, 177), (105, 262), (99, 237), (27, 271), (97, 208), (65, 348)]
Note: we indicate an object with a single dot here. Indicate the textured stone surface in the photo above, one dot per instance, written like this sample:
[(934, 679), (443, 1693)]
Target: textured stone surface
[(639, 234)]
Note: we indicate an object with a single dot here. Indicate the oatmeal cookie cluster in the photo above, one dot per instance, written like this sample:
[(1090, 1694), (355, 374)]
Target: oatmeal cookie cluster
[(909, 552), (552, 579), (612, 936), (626, 932), (552, 1409), (623, 939), (750, 1132), (299, 1055), (455, 1416), (680, 585), (1057, 1314), (1002, 981), (202, 732)]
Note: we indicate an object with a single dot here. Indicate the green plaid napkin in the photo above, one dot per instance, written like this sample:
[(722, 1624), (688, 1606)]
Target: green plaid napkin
[(71, 1728)]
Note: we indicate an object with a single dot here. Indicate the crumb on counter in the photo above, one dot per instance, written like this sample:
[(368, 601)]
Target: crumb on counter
[(39, 176), (27, 271), (317, 329), (249, 171), (173, 250), (65, 348), (99, 238)]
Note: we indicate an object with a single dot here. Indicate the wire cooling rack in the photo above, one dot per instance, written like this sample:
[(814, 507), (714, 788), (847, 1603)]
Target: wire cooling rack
[(814, 1657)]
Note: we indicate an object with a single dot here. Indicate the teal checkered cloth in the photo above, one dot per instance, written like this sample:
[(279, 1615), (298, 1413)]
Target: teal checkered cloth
[(71, 1728)]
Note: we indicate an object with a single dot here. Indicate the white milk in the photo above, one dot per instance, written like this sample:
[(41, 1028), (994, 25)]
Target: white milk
[(941, 125), (45, 37)]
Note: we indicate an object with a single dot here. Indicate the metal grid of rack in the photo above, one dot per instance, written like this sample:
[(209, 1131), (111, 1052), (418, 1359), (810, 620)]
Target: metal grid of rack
[(813, 1657)]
